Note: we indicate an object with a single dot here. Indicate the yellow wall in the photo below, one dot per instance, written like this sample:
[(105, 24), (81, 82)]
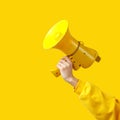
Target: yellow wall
[(28, 91)]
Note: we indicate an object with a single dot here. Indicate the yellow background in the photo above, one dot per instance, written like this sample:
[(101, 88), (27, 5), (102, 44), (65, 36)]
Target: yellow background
[(28, 91)]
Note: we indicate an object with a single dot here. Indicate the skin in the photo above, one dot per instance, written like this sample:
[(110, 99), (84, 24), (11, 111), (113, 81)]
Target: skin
[(99, 104), (65, 67)]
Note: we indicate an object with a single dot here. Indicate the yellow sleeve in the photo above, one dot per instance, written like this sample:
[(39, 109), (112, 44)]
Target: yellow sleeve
[(102, 106)]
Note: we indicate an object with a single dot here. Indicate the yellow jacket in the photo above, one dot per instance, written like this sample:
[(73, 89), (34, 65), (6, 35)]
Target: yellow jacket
[(102, 106)]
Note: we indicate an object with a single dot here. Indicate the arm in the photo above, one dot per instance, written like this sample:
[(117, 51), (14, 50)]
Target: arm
[(102, 106)]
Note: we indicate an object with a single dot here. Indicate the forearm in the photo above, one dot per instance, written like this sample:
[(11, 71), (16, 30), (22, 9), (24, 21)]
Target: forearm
[(101, 105), (72, 80)]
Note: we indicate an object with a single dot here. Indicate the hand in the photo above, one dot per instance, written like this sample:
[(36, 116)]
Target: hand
[(65, 67)]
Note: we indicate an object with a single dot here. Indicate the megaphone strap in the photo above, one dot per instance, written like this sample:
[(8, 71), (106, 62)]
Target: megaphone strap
[(75, 50)]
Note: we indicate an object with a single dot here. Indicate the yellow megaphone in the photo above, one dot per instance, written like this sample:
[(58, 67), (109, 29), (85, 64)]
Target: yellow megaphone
[(60, 38)]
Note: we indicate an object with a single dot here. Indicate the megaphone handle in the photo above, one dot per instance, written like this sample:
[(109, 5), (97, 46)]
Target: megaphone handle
[(56, 72)]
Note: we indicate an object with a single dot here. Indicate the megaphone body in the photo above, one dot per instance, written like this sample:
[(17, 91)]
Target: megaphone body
[(60, 38)]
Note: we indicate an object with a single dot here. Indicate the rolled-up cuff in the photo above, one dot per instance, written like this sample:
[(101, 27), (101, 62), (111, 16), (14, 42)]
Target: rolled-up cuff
[(78, 88)]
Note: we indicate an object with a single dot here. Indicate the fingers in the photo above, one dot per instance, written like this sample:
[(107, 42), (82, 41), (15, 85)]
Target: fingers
[(67, 59), (64, 62), (59, 66)]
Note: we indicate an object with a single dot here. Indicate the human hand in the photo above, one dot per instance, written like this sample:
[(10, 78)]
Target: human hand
[(65, 67)]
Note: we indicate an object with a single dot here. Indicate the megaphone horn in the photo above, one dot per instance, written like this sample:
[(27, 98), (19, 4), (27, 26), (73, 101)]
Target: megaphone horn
[(60, 38)]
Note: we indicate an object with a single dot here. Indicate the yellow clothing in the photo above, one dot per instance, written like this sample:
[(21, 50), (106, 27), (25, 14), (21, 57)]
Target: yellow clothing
[(102, 106)]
